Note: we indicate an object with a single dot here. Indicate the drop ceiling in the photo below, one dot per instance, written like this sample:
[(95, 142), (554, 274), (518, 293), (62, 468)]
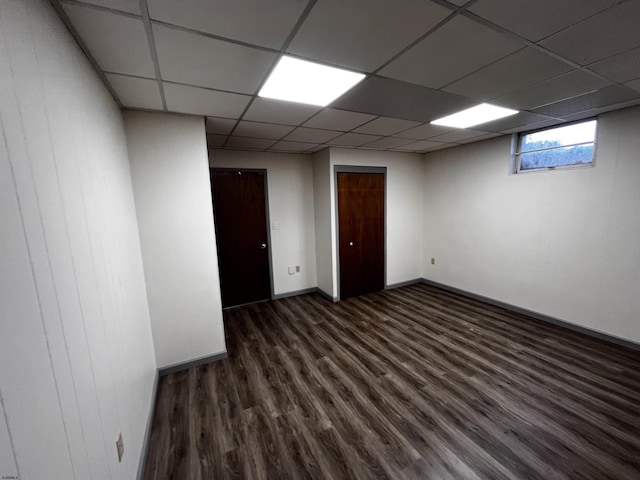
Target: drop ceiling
[(555, 61)]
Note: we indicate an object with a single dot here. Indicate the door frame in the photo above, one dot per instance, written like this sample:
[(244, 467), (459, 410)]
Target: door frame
[(356, 169), (268, 225)]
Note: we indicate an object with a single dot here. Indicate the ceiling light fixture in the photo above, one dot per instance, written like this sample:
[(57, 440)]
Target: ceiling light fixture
[(474, 116), (300, 81)]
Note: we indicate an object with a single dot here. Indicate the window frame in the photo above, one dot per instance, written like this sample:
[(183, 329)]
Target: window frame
[(516, 145)]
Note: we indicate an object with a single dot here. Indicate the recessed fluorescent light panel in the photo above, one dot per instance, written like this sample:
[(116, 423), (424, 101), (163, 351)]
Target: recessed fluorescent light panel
[(474, 116), (307, 82)]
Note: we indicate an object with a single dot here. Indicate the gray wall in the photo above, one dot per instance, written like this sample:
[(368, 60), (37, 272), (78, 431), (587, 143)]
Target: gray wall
[(76, 357)]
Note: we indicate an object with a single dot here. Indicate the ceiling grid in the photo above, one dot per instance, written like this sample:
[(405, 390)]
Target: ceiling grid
[(423, 59)]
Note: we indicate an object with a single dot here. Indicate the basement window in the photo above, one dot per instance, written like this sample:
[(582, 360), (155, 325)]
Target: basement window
[(550, 148)]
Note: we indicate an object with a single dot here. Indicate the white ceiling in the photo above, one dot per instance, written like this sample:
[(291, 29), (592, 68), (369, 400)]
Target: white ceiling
[(554, 60)]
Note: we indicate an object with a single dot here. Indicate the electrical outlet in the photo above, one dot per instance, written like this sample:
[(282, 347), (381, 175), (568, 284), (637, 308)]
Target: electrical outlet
[(297, 268), (433, 261), (120, 447)]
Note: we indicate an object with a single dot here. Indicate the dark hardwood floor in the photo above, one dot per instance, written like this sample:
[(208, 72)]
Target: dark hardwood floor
[(412, 383)]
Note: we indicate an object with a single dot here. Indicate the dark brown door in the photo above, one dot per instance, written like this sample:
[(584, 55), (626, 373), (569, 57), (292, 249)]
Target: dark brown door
[(241, 230), (361, 224)]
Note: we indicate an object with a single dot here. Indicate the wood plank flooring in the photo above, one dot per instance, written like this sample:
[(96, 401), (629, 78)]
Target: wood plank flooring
[(411, 383)]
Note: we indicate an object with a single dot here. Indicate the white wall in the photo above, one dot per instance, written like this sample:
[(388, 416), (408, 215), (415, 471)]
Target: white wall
[(403, 208), (170, 172), (564, 243), (302, 201), (324, 223), (290, 192), (76, 357), (404, 203)]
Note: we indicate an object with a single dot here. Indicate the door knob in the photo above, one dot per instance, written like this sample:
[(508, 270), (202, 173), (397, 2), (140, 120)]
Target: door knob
[(351, 244), (263, 246)]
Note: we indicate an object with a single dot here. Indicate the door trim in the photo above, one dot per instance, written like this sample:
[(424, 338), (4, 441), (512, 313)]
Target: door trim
[(266, 206), (356, 169)]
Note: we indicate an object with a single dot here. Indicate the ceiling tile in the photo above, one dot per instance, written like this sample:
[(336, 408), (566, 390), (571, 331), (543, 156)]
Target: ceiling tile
[(480, 138), (333, 119), (609, 33), (363, 34), (249, 143), (353, 139), (424, 131), (458, 135), (135, 92), (538, 19), (370, 147), (601, 98), (441, 147), (419, 146), (312, 135), (635, 84), (317, 148), (509, 74), (286, 146), (252, 21), (221, 126), (565, 86), (261, 130), (389, 142), (597, 111), (621, 68), (277, 111), (215, 140), (512, 121), (549, 122), (386, 126), (205, 62), (200, 101), (458, 48), (117, 42), (131, 6), (393, 98)]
